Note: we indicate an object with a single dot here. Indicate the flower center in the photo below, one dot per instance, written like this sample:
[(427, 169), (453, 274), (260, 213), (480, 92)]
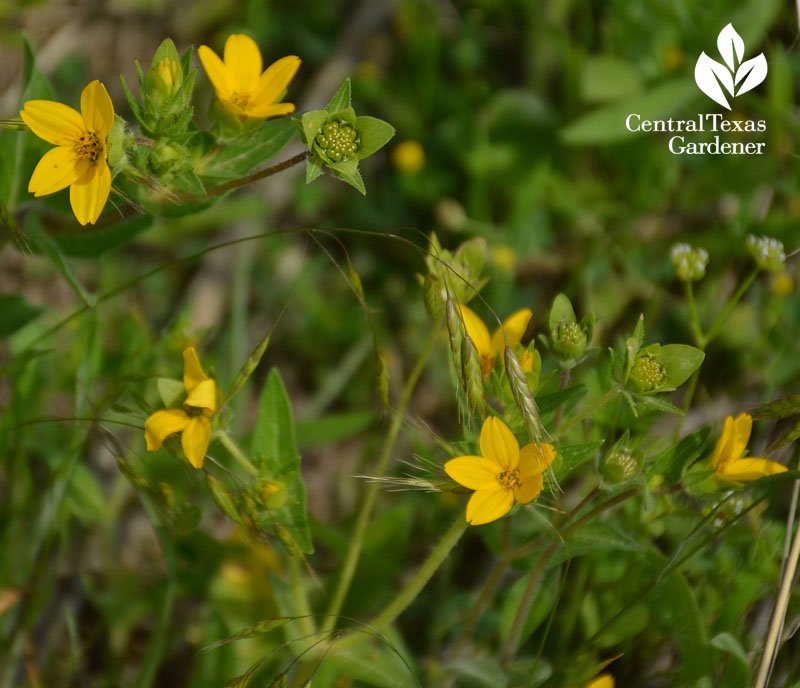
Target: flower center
[(241, 99), (509, 479), (339, 140), (88, 146)]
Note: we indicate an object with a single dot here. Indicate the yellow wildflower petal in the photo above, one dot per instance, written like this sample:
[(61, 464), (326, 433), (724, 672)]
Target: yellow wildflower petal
[(742, 427), (203, 396), (243, 62), (270, 110), (749, 469), (602, 681), (88, 195), (57, 169), (722, 451), (195, 438), (193, 373), (529, 488), (97, 110), (535, 458), (498, 444), (54, 122), (161, 425), (477, 331), (488, 505), (474, 472), (275, 80), (216, 71), (514, 326)]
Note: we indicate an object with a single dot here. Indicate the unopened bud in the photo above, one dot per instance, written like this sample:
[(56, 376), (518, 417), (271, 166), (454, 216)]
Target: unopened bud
[(648, 373), (767, 252), (569, 339), (621, 464), (690, 263)]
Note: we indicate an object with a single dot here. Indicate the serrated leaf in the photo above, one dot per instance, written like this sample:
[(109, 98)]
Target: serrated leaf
[(341, 99), (274, 449)]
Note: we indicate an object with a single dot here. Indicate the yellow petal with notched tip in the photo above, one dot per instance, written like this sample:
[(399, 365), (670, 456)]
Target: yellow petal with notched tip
[(88, 195), (514, 327), (486, 506), (749, 469), (216, 71), (161, 425), (195, 438), (498, 443), (193, 373), (54, 122), (97, 110), (529, 488), (474, 472), (535, 458), (203, 396), (57, 169), (243, 62), (275, 79)]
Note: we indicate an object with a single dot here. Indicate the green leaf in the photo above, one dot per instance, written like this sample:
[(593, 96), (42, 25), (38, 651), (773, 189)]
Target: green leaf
[(310, 124), (341, 99), (274, 449), (680, 361), (353, 180), (672, 462), (543, 602), (238, 159), (371, 666), (738, 672), (657, 404), (313, 169), (606, 124), (15, 312), (569, 457), (93, 242), (479, 671), (606, 78), (21, 150), (569, 397), (374, 133), (333, 428)]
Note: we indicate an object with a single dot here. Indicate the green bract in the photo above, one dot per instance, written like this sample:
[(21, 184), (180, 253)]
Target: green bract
[(339, 139), (569, 338)]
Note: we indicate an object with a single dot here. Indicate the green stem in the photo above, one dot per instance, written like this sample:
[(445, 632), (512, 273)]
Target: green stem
[(588, 411), (722, 317), (362, 520), (237, 453), (244, 181), (409, 593), (302, 605), (697, 330)]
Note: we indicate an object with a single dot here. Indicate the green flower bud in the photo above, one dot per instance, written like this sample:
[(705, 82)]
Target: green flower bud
[(337, 141), (648, 373), (569, 339), (621, 464), (690, 263), (767, 252)]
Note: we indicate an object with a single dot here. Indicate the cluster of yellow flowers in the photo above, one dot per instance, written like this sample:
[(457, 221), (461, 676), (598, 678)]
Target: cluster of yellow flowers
[(80, 159)]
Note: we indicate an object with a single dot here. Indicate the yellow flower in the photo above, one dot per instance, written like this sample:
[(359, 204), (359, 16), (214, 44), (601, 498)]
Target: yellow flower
[(80, 159), (601, 681), (504, 473), (727, 462), (490, 346), (240, 85), (193, 420), (170, 72), (408, 157)]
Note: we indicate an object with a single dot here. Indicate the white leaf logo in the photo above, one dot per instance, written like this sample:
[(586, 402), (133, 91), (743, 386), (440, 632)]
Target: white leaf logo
[(735, 76)]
